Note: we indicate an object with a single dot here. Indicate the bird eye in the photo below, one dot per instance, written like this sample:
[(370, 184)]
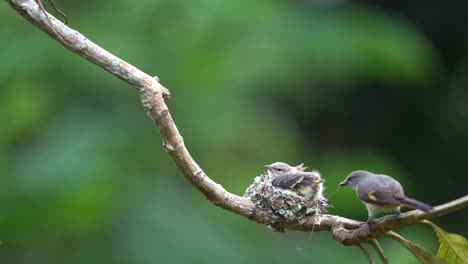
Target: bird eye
[(278, 169)]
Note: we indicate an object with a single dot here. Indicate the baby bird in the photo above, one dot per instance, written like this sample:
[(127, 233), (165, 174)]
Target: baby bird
[(306, 184)]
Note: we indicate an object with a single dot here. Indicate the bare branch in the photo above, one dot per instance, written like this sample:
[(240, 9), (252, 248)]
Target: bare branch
[(363, 249), (379, 251), (401, 240), (153, 96), (422, 255)]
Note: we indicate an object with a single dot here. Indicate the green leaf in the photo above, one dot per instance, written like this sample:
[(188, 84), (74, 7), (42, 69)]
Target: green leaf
[(453, 247)]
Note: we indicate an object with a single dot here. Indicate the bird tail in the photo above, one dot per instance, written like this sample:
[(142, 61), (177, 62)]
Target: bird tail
[(415, 204)]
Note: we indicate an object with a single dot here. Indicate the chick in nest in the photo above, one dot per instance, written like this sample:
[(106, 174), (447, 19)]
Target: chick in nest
[(306, 184), (288, 193)]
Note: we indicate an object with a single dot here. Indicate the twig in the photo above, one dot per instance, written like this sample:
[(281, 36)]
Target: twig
[(395, 236), (363, 249), (58, 11), (42, 7), (379, 251), (399, 239), (422, 255), (153, 96)]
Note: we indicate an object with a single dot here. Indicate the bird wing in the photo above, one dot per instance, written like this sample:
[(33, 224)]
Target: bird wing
[(288, 180), (381, 190)]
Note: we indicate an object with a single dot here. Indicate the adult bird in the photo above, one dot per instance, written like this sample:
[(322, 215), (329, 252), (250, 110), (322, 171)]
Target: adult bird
[(381, 193)]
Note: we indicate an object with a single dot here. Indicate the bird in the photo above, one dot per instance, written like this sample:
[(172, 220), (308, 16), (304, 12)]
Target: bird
[(381, 193), (306, 184)]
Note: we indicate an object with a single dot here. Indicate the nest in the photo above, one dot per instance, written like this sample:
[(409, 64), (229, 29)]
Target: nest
[(281, 204)]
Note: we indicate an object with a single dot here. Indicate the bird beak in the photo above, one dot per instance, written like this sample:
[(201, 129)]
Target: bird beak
[(267, 167), (343, 183)]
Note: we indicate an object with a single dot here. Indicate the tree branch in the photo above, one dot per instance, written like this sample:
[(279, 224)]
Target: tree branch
[(153, 96)]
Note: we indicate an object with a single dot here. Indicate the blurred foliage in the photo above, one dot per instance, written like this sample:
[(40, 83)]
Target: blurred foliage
[(337, 85)]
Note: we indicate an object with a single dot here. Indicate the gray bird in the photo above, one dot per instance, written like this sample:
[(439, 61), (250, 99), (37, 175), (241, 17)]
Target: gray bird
[(306, 184), (381, 193)]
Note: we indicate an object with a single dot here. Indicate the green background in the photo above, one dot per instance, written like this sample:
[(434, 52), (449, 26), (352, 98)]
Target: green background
[(338, 85)]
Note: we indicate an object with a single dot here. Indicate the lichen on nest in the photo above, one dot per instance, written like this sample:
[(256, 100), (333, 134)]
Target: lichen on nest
[(281, 204)]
